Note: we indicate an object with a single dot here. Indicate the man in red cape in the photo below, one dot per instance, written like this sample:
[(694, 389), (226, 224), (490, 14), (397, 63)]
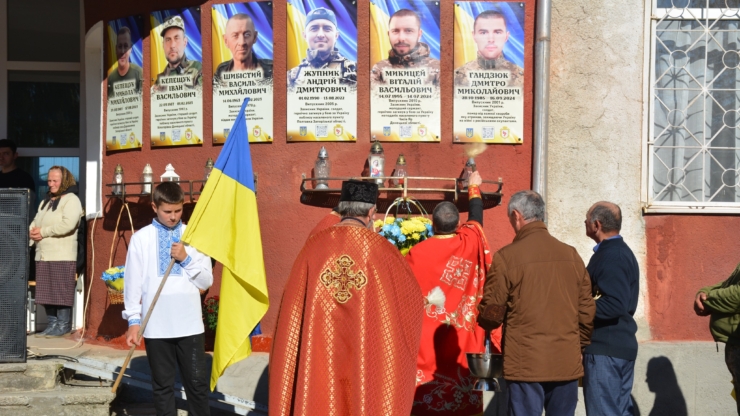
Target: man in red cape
[(349, 325), (451, 268)]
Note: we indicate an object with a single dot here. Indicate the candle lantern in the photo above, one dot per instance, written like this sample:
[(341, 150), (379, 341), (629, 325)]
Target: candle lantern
[(118, 188), (469, 169), (169, 174), (147, 176), (400, 172), (376, 161), (208, 169), (322, 169)]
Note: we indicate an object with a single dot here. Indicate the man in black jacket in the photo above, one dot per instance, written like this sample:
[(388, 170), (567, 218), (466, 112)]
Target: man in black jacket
[(12, 176), (609, 361)]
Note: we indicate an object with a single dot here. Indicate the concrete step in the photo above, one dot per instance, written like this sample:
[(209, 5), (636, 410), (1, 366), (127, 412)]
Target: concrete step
[(31, 376), (61, 401)]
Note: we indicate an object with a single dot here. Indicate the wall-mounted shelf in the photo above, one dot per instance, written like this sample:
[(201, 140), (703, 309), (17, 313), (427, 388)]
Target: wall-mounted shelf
[(428, 191), (191, 189)]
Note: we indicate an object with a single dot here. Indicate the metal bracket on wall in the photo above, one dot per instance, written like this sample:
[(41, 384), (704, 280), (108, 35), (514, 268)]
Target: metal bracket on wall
[(430, 192), (192, 189)]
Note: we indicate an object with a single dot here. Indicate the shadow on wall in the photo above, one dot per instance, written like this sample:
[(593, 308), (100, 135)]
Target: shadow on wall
[(661, 380)]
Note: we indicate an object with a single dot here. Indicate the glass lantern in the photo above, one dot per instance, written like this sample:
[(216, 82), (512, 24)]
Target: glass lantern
[(147, 176), (400, 172), (169, 174), (119, 187), (376, 161), (208, 169), (322, 169), (469, 169)]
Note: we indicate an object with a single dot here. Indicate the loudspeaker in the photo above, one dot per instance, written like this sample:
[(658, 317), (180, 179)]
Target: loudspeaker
[(14, 261)]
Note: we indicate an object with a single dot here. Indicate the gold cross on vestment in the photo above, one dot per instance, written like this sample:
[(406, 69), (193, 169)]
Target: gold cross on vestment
[(342, 279)]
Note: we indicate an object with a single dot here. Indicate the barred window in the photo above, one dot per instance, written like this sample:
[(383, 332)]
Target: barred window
[(694, 132)]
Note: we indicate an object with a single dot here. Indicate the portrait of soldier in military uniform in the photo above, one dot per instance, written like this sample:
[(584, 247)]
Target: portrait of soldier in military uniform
[(126, 70), (490, 34), (407, 51), (240, 37), (321, 34), (174, 43)]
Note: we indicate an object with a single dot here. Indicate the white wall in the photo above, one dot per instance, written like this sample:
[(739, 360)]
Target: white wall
[(595, 136)]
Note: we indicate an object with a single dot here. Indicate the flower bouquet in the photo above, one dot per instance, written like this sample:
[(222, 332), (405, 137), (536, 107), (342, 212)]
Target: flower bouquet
[(113, 278), (210, 312), (405, 233)]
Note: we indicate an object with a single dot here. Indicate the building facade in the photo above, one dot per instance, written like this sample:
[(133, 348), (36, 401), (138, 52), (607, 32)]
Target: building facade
[(643, 112)]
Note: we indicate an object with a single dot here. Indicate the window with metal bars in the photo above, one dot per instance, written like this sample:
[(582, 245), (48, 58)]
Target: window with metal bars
[(694, 128)]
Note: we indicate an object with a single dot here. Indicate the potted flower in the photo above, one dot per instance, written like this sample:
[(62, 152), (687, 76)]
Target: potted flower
[(210, 312), (210, 320)]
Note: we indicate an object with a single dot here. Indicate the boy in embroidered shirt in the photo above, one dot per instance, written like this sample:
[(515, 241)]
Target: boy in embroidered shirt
[(174, 333)]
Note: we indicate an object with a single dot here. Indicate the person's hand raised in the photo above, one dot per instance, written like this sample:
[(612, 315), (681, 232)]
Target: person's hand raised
[(475, 179)]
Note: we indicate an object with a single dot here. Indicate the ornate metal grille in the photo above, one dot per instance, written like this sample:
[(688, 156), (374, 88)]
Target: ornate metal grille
[(694, 146)]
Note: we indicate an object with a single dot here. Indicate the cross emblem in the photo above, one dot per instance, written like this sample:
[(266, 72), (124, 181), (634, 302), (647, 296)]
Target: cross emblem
[(342, 279), (457, 272)]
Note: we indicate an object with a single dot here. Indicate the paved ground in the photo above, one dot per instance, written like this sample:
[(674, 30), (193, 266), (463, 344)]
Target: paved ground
[(246, 380)]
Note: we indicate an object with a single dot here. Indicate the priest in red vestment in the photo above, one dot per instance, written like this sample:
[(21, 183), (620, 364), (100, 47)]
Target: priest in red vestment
[(451, 270), (349, 325)]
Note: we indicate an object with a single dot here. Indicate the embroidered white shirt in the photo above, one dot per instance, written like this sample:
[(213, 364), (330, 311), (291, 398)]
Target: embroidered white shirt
[(178, 309)]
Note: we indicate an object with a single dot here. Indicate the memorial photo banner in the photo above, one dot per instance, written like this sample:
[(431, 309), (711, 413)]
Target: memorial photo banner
[(404, 79), (242, 45), (124, 63), (177, 77), (322, 70), (489, 72)]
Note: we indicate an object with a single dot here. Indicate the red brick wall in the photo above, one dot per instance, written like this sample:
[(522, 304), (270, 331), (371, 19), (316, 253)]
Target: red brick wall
[(285, 222), (684, 254)]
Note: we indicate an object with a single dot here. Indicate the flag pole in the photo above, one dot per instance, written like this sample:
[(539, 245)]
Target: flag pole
[(143, 326)]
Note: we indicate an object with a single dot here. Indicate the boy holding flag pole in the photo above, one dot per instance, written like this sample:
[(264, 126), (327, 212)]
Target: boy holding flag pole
[(225, 226)]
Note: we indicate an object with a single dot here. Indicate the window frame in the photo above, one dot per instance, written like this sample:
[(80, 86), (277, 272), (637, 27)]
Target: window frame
[(653, 15), (81, 151)]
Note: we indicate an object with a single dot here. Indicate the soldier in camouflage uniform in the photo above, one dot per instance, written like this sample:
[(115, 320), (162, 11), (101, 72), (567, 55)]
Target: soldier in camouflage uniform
[(321, 34), (240, 36), (407, 52), (490, 34), (126, 70), (174, 42)]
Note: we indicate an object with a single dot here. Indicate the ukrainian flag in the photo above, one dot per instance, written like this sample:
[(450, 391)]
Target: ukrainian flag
[(225, 226)]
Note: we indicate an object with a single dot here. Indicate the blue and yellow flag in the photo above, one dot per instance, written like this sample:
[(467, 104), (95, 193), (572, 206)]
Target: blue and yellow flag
[(225, 226)]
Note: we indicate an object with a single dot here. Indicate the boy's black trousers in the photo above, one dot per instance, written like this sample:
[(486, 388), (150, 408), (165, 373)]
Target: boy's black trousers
[(187, 354)]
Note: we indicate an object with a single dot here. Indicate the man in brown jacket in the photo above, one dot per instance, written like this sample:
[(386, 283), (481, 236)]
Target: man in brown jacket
[(540, 288)]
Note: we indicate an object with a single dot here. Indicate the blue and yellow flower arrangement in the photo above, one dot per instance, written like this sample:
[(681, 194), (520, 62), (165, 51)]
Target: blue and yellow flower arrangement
[(113, 278), (405, 233)]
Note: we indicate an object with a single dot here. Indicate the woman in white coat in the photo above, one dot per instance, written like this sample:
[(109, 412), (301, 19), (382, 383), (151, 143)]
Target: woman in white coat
[(54, 232)]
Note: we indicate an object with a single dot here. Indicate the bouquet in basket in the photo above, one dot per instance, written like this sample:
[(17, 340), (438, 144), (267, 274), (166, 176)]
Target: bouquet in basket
[(405, 233), (113, 278)]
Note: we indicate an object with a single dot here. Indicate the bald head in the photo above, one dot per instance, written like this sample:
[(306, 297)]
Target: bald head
[(608, 214)]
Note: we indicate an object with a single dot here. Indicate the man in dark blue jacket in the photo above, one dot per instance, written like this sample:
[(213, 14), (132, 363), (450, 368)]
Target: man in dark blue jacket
[(609, 361)]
